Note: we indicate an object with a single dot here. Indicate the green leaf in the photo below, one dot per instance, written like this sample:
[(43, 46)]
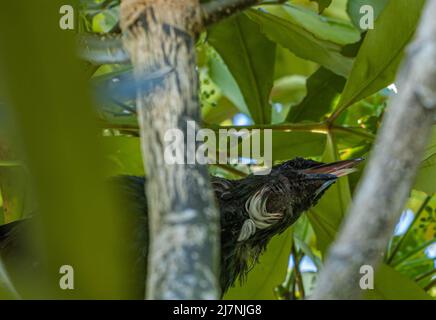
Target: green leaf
[(353, 9), (427, 176), (287, 145), (425, 180), (325, 28), (389, 284), (123, 156), (288, 63), (431, 148), (289, 90), (302, 42), (220, 74), (323, 87), (7, 290), (308, 252), (217, 114), (250, 57), (322, 4), (105, 20), (327, 216), (376, 64), (268, 273)]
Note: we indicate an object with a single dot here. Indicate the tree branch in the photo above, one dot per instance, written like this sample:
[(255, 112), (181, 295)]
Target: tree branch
[(183, 256), (218, 10), (391, 171)]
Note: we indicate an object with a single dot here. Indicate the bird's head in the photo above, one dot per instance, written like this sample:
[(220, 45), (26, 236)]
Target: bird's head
[(274, 202), (310, 179)]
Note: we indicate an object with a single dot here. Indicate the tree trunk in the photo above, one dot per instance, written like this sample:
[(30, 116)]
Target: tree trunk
[(184, 222)]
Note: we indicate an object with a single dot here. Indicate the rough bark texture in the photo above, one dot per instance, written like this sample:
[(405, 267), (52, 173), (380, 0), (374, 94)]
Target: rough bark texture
[(391, 170), (108, 48), (184, 221)]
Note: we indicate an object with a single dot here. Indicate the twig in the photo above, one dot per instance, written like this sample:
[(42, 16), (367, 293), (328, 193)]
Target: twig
[(413, 252), (425, 275), (298, 277), (215, 11), (218, 10), (320, 128), (400, 243), (430, 285)]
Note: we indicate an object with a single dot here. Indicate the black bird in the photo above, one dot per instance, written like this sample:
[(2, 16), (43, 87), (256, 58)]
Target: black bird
[(253, 210)]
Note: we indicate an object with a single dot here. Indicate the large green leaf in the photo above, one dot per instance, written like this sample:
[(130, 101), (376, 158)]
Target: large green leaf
[(389, 284), (222, 111), (287, 91), (288, 63), (353, 9), (382, 50), (49, 97), (220, 75), (250, 57), (322, 89), (288, 145), (302, 42), (123, 156), (338, 31), (327, 216), (268, 273)]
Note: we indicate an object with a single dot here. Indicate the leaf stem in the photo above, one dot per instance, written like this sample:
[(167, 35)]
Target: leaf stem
[(217, 10), (298, 277), (320, 128), (401, 241), (10, 163), (354, 131), (425, 275), (411, 253), (430, 285)]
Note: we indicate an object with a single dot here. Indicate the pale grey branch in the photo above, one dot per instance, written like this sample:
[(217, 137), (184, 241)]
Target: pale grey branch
[(391, 170)]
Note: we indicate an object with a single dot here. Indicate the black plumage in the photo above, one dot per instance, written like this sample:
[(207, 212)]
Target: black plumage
[(253, 210)]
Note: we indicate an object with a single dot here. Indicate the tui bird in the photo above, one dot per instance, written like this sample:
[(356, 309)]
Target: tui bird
[(253, 210)]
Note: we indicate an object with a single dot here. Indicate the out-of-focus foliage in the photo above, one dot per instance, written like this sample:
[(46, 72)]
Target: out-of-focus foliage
[(48, 98), (305, 70)]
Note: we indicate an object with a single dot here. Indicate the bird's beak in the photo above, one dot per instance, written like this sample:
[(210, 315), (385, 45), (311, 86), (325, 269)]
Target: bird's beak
[(338, 169)]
